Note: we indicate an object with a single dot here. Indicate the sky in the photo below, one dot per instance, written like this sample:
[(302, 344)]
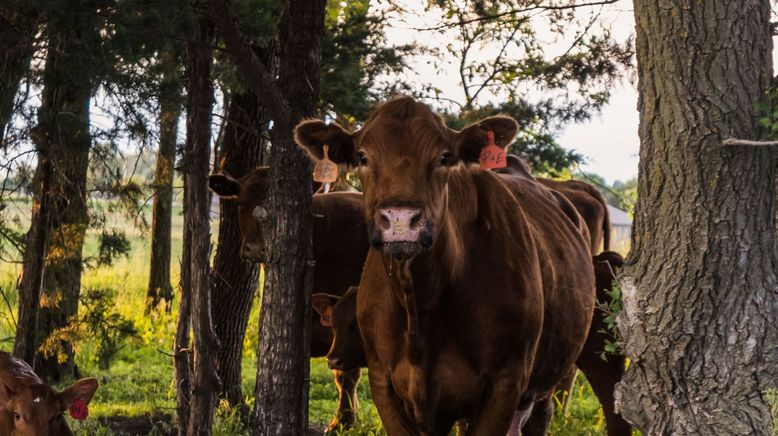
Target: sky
[(609, 141)]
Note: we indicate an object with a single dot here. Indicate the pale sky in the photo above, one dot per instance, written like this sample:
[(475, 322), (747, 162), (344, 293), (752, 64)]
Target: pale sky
[(609, 141)]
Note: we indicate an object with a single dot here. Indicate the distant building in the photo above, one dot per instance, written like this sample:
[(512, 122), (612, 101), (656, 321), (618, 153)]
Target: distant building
[(621, 229)]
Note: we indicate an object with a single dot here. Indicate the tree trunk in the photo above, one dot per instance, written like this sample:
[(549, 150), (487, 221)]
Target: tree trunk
[(284, 326), (281, 391), (205, 381), (182, 356), (31, 285), (235, 280), (170, 110), (17, 35), (700, 330), (63, 133)]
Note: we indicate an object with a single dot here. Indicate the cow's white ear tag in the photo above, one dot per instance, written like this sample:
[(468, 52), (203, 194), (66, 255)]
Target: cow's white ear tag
[(325, 171), (492, 156)]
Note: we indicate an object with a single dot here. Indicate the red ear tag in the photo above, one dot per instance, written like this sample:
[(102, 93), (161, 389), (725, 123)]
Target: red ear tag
[(492, 156), (325, 171), (79, 409)]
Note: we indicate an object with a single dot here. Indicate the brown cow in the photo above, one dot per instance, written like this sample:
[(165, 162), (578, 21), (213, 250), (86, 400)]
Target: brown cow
[(462, 310), (30, 407), (339, 246), (348, 353)]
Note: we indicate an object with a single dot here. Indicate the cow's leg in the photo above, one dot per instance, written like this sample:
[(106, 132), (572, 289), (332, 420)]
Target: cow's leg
[(603, 376), (348, 404), (538, 422), (495, 414), (564, 388), (389, 406)]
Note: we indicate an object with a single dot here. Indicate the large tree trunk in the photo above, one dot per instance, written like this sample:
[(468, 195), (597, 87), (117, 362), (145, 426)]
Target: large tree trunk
[(18, 20), (160, 288), (701, 329), (235, 280), (281, 391), (205, 381), (63, 132), (284, 325)]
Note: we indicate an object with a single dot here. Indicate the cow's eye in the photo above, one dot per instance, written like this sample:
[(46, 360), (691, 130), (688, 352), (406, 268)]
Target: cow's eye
[(362, 158), (446, 159), (17, 417)]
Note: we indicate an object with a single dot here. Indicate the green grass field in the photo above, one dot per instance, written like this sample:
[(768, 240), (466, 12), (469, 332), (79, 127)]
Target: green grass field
[(139, 382)]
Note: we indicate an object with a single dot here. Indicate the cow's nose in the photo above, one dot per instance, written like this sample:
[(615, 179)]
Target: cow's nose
[(335, 363), (400, 224), (252, 251)]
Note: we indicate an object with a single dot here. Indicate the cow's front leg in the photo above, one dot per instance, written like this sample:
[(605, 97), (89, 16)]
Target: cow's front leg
[(389, 405), (495, 413), (348, 404)]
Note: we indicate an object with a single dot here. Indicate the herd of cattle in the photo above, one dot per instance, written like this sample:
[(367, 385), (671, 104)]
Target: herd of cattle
[(468, 293)]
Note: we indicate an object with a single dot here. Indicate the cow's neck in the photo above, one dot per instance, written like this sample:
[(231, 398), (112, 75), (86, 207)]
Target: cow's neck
[(401, 281)]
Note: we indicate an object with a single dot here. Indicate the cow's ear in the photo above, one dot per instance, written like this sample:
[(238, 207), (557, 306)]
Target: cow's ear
[(472, 139), (224, 186), (83, 389), (323, 303), (6, 393), (313, 135)]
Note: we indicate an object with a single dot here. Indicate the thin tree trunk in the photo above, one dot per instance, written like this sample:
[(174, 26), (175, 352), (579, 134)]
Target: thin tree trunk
[(31, 285), (182, 356), (701, 329), (205, 380), (235, 280), (160, 288)]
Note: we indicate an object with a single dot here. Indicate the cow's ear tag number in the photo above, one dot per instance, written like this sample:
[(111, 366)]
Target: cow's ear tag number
[(492, 156), (325, 171)]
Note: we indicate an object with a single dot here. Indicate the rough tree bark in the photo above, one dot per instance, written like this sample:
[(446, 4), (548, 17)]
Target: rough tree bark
[(701, 330), (18, 23), (282, 371), (204, 378), (235, 280), (160, 288)]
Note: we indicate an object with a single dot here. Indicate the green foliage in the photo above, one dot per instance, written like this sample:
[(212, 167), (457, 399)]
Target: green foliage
[(611, 309), (623, 195), (501, 49), (354, 57), (113, 244), (97, 320), (769, 111)]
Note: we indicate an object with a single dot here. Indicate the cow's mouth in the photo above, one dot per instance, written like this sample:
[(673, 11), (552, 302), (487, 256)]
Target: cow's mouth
[(402, 250)]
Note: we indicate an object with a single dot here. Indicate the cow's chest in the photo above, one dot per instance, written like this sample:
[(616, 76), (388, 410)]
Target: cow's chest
[(444, 384)]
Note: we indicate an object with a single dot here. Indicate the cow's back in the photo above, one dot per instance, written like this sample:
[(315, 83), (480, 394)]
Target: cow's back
[(590, 205), (340, 246), (567, 274)]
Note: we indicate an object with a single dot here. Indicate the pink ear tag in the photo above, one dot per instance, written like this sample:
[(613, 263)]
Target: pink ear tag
[(492, 156), (325, 171), (79, 409)]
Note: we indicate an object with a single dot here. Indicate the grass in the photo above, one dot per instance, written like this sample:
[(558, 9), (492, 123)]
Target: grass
[(140, 382)]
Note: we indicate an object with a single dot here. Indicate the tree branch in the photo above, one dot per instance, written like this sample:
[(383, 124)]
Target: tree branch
[(735, 141), (255, 73), (517, 11)]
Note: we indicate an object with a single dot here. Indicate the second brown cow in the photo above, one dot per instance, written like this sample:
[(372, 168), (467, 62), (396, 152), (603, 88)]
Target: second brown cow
[(339, 244)]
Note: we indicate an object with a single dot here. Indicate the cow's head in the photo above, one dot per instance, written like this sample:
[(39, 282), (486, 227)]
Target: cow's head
[(37, 409), (404, 155), (250, 193), (340, 313)]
